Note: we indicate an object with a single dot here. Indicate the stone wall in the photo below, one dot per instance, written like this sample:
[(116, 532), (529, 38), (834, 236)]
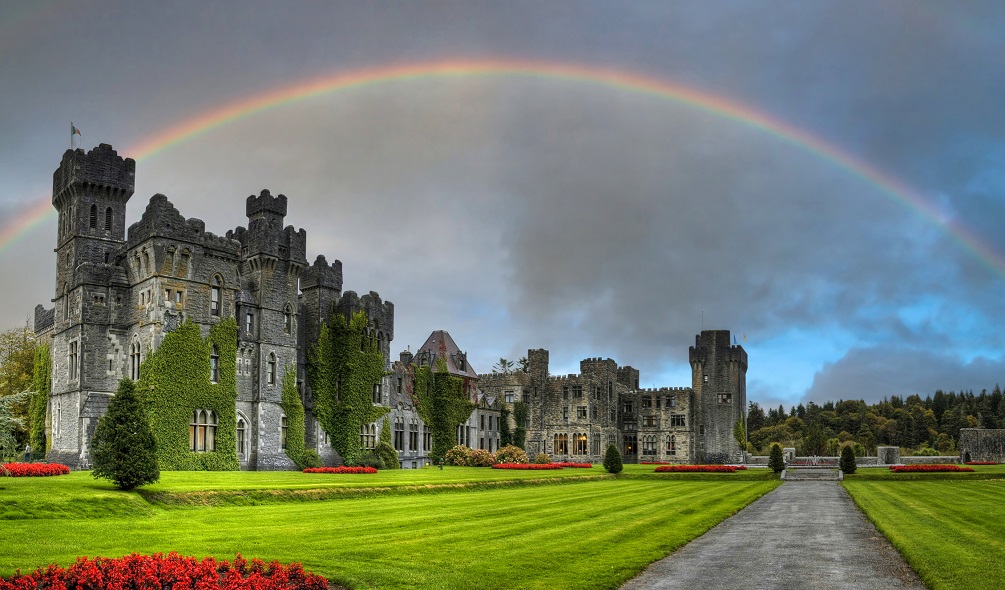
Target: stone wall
[(982, 444)]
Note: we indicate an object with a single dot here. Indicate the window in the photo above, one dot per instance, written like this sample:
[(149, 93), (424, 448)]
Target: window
[(648, 445), (701, 429), (413, 435), (400, 379), (647, 402), (178, 297), (673, 401), (725, 398), (270, 370), (284, 429), (629, 409), (249, 321), (482, 425), (427, 441), (94, 216), (671, 445), (631, 444), (376, 393), (214, 364), (367, 435), (677, 421), (134, 360), (561, 444), (214, 296), (594, 412), (288, 320), (565, 392), (508, 397), (202, 432), (580, 446), (705, 379), (108, 219), (649, 421), (399, 436), (72, 360), (595, 445), (577, 391), (565, 413), (241, 436), (581, 412)]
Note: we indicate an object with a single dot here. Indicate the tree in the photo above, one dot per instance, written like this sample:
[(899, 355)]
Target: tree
[(385, 450), (847, 463), (17, 370), (505, 434), (123, 448), (776, 460), (520, 417), (10, 424), (41, 386), (503, 366), (740, 434), (612, 460), (523, 364)]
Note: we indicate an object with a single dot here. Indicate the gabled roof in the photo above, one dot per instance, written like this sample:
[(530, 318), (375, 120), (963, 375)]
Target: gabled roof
[(441, 345)]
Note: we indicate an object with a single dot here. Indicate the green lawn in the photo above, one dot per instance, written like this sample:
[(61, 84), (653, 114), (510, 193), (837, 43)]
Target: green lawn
[(562, 529), (949, 527)]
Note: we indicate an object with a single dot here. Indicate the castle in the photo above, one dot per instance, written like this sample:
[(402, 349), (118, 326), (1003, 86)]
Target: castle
[(118, 294)]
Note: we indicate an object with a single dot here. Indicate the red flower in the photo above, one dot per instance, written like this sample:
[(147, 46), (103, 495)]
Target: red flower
[(527, 466), (33, 469), (696, 469), (342, 469), (928, 468)]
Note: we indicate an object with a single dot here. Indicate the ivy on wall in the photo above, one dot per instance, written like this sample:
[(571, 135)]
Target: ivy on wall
[(505, 434), (175, 381), (385, 450), (520, 416), (440, 400), (344, 366), (41, 386), (293, 407)]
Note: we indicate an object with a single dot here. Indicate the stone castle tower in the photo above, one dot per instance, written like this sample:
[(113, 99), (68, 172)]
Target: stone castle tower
[(719, 381)]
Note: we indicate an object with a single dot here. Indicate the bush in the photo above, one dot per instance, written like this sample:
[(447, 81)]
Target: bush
[(776, 460), (310, 458), (511, 454), (716, 458), (481, 458), (459, 456), (612, 460), (388, 456), (542, 459), (847, 463), (369, 459), (123, 448)]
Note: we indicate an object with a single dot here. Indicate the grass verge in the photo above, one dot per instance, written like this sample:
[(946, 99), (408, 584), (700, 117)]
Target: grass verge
[(949, 529)]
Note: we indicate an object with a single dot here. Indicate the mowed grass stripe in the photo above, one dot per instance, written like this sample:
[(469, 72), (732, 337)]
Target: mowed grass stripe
[(593, 534), (949, 531)]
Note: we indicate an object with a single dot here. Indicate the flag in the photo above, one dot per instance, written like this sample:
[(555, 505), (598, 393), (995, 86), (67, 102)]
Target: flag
[(74, 130), (734, 339)]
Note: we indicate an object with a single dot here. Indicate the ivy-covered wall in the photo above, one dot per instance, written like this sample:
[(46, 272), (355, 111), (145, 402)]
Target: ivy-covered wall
[(175, 381), (344, 366), (293, 407), (442, 405), (41, 386)]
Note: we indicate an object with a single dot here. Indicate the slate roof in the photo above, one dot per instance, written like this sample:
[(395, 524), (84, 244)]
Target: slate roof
[(441, 345)]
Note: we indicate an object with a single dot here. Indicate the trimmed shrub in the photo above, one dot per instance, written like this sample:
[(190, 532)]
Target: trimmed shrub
[(847, 463), (542, 458), (385, 450), (776, 459), (481, 458), (460, 456), (612, 460), (511, 454), (123, 448), (370, 459)]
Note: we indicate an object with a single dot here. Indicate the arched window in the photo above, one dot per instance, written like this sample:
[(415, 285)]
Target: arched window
[(242, 428), (580, 446), (270, 370), (134, 359), (108, 219), (283, 431), (94, 216), (288, 319), (214, 296), (364, 433), (214, 364), (202, 431)]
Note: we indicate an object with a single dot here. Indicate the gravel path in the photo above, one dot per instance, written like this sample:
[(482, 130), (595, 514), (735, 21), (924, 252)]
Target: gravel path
[(804, 534)]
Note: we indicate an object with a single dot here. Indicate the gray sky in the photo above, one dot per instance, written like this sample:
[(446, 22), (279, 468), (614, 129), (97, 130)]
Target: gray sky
[(521, 211)]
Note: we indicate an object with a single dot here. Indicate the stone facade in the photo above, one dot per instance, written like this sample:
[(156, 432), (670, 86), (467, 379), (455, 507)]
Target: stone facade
[(118, 294), (576, 417), (982, 444)]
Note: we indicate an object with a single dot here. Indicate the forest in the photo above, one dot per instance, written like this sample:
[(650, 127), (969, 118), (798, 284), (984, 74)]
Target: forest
[(919, 426)]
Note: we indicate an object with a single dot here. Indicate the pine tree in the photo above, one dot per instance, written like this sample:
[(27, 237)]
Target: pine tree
[(123, 448), (848, 460), (776, 460), (612, 460)]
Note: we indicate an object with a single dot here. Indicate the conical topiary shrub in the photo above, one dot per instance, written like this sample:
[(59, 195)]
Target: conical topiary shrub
[(612, 460), (847, 463), (123, 448), (776, 460)]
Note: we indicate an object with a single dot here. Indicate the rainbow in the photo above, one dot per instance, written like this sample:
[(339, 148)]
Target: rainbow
[(615, 79)]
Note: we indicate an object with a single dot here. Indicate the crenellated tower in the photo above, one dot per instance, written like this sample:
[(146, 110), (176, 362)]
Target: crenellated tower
[(719, 381)]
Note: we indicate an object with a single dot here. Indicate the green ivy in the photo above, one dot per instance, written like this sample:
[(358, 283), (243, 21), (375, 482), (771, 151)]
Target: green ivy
[(505, 434), (41, 386), (293, 407), (440, 400), (343, 366), (175, 381), (385, 450), (520, 416)]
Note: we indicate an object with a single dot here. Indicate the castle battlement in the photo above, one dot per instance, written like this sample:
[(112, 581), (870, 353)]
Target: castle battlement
[(322, 275), (99, 170), (162, 219), (266, 203), (664, 390)]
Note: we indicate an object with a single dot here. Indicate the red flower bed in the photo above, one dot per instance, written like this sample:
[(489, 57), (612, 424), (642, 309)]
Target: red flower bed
[(981, 463), (655, 463), (575, 465), (343, 469), (695, 469), (168, 571), (529, 466), (928, 468), (33, 469)]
